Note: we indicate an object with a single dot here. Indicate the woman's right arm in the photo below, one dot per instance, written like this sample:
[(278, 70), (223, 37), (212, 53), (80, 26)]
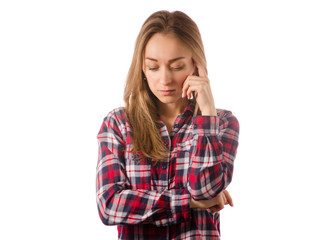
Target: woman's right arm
[(117, 203)]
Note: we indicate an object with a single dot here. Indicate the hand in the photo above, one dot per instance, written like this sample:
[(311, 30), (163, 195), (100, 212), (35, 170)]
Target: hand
[(215, 204), (200, 85)]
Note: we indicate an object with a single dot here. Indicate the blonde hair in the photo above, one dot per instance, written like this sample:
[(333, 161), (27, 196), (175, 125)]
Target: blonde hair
[(141, 107)]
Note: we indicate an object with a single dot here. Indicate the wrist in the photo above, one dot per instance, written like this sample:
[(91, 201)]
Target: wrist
[(191, 202), (209, 112)]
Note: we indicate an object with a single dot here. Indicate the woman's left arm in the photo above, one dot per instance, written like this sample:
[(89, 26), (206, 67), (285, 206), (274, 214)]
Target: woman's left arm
[(212, 155), (215, 141)]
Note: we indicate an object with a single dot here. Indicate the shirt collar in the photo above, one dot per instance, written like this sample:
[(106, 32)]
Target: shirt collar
[(189, 110)]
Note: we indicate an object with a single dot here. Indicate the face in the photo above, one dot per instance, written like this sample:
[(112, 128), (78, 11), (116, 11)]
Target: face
[(168, 62)]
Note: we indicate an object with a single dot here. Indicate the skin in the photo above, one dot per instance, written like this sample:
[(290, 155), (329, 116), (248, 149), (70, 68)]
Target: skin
[(170, 71), (167, 65)]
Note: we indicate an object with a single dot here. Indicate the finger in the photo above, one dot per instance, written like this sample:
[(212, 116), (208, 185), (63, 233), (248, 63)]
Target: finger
[(201, 70), (220, 206), (185, 87), (216, 208), (228, 197), (213, 210), (224, 199), (192, 92), (221, 201), (193, 84), (196, 87)]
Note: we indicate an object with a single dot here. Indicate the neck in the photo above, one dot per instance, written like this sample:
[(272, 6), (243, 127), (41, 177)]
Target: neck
[(172, 110)]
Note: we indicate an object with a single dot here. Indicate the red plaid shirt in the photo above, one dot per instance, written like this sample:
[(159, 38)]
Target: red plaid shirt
[(149, 201)]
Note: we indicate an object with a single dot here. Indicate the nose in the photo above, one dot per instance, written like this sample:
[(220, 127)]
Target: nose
[(166, 76)]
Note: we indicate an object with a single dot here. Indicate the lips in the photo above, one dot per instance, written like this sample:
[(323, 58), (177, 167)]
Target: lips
[(166, 92)]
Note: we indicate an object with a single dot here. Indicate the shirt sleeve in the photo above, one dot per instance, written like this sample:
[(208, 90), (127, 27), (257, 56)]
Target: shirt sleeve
[(214, 149), (117, 203)]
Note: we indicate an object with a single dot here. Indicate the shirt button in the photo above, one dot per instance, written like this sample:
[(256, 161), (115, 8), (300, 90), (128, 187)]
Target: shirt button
[(164, 165)]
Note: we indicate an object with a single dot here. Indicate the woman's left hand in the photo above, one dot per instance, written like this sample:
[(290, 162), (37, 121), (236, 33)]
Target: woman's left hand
[(200, 85)]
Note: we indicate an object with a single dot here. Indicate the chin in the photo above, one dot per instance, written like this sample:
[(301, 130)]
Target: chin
[(168, 100)]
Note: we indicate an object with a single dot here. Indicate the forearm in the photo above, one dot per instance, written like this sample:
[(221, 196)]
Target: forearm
[(144, 206), (206, 183), (215, 204), (212, 156)]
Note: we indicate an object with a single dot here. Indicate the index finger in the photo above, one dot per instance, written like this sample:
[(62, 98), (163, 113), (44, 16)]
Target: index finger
[(201, 70), (228, 197)]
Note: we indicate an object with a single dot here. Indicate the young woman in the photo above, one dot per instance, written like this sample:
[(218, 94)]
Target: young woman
[(167, 157)]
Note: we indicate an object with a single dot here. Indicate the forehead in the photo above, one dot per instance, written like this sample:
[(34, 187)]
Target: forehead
[(165, 47)]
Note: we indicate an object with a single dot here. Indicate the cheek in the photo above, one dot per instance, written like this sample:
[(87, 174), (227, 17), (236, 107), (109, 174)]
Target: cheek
[(152, 82), (152, 77), (181, 78)]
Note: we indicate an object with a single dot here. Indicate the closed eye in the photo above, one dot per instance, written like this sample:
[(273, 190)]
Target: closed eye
[(177, 68)]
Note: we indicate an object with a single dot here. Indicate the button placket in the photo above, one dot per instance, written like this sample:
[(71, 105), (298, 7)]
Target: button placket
[(164, 165)]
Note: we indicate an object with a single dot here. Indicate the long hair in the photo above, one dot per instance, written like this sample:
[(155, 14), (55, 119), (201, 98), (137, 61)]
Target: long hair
[(141, 103)]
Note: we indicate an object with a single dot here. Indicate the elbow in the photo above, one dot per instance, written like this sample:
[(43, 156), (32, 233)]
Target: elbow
[(102, 211), (206, 192), (103, 216), (208, 183), (106, 201), (104, 220)]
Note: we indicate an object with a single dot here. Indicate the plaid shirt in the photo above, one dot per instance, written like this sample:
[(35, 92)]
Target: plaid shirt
[(151, 201)]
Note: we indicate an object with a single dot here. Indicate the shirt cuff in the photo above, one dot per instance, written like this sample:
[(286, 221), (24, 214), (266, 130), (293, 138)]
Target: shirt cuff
[(206, 125)]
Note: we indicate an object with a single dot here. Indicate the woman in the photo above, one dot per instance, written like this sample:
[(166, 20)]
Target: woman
[(167, 157)]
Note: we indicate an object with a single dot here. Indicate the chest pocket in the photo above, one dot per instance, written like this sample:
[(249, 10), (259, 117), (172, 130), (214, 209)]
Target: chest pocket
[(183, 148), (138, 172), (182, 157)]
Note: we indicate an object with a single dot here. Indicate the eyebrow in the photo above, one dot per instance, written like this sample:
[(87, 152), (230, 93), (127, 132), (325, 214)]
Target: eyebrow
[(170, 61)]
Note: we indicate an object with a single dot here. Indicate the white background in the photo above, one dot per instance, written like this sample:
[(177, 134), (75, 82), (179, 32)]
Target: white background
[(62, 69)]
